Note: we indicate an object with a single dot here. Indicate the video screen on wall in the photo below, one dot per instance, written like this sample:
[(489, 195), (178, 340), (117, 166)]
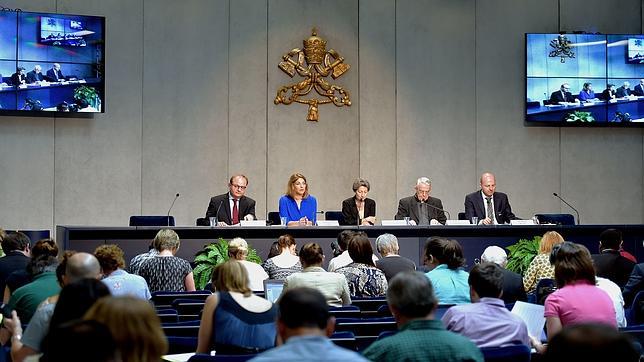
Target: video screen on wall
[(584, 80), (51, 63)]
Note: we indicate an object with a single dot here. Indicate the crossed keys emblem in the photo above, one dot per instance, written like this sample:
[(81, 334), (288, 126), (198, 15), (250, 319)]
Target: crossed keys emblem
[(314, 63)]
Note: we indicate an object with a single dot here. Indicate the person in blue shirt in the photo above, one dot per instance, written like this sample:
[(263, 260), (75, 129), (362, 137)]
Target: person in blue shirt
[(587, 93), (445, 260), (297, 206)]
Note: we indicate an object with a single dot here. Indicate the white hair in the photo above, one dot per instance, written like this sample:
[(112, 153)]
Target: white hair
[(494, 254), (424, 181), (387, 244)]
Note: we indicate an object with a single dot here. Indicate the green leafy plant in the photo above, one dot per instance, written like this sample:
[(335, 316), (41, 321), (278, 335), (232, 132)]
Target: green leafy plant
[(579, 116), (212, 255), (522, 253), (86, 94)]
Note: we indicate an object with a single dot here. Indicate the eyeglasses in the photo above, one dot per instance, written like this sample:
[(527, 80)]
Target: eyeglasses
[(238, 187)]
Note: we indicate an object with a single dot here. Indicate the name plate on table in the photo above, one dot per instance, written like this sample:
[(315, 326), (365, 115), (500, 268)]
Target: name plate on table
[(328, 223), (394, 223), (522, 222), (245, 223), (458, 223)]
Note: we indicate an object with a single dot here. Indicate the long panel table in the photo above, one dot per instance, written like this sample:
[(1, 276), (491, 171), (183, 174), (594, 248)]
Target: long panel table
[(474, 239)]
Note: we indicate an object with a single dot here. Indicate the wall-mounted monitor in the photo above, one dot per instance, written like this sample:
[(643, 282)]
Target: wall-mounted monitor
[(51, 63), (584, 80)]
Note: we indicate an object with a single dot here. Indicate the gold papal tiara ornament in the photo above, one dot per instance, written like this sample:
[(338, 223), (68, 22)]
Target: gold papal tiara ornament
[(314, 63)]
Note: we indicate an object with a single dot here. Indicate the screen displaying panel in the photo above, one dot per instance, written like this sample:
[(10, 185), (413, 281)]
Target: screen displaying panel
[(51, 63), (584, 80)]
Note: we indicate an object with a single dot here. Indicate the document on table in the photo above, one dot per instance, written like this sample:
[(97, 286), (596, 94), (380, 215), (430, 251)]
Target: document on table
[(532, 315)]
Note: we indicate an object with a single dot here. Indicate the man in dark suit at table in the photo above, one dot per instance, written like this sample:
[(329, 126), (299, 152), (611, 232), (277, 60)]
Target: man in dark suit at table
[(562, 95), (35, 75), (55, 74), (639, 89), (421, 208), (489, 206), (624, 90), (232, 206), (18, 78)]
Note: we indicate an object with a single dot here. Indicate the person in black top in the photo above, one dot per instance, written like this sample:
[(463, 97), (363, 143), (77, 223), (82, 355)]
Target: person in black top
[(391, 263), (562, 95), (16, 247), (609, 263), (359, 209)]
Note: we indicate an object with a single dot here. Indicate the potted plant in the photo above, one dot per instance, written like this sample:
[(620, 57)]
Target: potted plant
[(212, 255), (86, 96), (522, 253), (579, 116)]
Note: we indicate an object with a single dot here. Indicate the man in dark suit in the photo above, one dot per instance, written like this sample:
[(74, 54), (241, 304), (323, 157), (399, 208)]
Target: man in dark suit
[(512, 282), (18, 77), (609, 263), (55, 74), (639, 89), (489, 206), (562, 95), (421, 208), (232, 206), (16, 247), (35, 75), (624, 90)]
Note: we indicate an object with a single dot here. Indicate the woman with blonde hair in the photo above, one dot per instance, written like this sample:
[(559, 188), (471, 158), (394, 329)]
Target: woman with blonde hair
[(297, 205), (238, 250), (134, 325), (286, 263), (165, 271), (234, 320), (540, 267)]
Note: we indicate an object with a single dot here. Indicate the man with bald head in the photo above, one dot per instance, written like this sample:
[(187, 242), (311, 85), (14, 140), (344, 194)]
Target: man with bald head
[(489, 206), (81, 266)]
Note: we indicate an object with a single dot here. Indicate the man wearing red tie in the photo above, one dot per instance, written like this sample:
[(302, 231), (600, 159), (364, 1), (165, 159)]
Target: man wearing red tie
[(232, 206)]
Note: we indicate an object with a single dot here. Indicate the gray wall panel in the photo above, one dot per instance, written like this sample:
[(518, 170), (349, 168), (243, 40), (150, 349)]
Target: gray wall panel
[(377, 103), (524, 159), (435, 97), (248, 97), (326, 152), (185, 106), (98, 160)]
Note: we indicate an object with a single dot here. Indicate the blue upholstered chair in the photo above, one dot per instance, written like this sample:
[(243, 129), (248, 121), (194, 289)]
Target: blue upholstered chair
[(517, 353), (334, 215), (557, 219), (151, 220)]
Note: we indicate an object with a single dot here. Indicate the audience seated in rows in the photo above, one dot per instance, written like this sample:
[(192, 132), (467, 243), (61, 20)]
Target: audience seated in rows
[(73, 268), (333, 286), (78, 341), (420, 337), (486, 321), (286, 263), (391, 263), (609, 263), (43, 252), (591, 343), (165, 271), (135, 262), (513, 289), (303, 327), (578, 299), (16, 247), (134, 326), (445, 261), (363, 278), (343, 259), (540, 267), (120, 282), (238, 250), (234, 320)]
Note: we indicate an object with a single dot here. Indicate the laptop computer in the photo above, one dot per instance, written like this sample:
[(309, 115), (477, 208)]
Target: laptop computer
[(273, 289)]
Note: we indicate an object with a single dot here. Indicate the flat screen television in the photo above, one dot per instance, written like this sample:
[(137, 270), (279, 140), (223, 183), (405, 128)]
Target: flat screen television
[(51, 63), (584, 80)]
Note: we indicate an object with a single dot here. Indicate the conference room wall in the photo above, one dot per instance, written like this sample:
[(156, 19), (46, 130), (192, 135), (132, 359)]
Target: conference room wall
[(430, 95)]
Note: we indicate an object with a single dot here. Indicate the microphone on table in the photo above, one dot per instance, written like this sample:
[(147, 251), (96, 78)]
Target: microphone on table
[(168, 215), (439, 209), (217, 212), (564, 201)]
